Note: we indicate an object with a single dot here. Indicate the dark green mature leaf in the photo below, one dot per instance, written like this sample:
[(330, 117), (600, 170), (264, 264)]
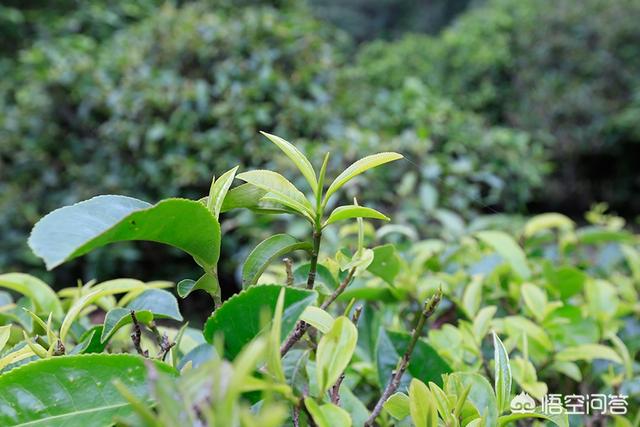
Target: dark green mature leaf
[(266, 251), (206, 282), (118, 317), (45, 299), (425, 364), (386, 263), (239, 318), (74, 391), (72, 231), (161, 303)]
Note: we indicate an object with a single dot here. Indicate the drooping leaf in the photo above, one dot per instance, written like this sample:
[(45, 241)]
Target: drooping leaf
[(508, 249), (74, 391), (161, 303), (334, 352), (352, 211), (275, 183), (207, 282), (296, 156), (502, 374), (72, 231), (45, 299), (267, 251), (219, 191), (118, 317), (386, 263), (359, 167), (238, 319)]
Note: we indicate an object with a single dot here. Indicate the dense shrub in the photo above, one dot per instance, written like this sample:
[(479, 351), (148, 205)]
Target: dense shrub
[(457, 164), (564, 71), (149, 111)]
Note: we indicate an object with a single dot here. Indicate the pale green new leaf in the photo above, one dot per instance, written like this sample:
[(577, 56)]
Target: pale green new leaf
[(359, 167), (318, 318), (5, 332), (588, 352), (275, 183), (508, 249), (111, 287), (353, 211), (535, 299), (422, 406), (274, 361), (266, 252), (547, 221), (472, 296), (502, 374), (335, 350), (397, 405), (297, 158), (327, 415), (219, 191), (45, 299)]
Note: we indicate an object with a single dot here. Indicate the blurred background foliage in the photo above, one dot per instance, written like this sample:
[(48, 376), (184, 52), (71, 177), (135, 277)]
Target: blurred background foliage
[(511, 106)]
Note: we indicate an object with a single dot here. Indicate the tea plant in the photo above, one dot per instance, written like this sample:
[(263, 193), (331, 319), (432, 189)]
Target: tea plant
[(355, 332)]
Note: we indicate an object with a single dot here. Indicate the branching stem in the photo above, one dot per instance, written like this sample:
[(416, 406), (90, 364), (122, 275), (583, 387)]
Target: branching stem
[(301, 327), (429, 307)]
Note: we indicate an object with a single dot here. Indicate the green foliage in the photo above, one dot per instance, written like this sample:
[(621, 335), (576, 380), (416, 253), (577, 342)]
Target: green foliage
[(567, 78), (71, 391), (341, 340)]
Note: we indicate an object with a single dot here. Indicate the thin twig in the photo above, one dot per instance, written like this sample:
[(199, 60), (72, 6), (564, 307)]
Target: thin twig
[(429, 307), (335, 389), (339, 290), (301, 326), (136, 335), (296, 416), (288, 265)]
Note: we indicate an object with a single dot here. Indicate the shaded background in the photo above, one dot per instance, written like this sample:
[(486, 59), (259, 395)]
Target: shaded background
[(500, 106)]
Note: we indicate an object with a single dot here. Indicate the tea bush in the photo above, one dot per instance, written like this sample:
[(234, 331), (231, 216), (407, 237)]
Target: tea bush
[(146, 112), (568, 77), (147, 109), (356, 330)]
